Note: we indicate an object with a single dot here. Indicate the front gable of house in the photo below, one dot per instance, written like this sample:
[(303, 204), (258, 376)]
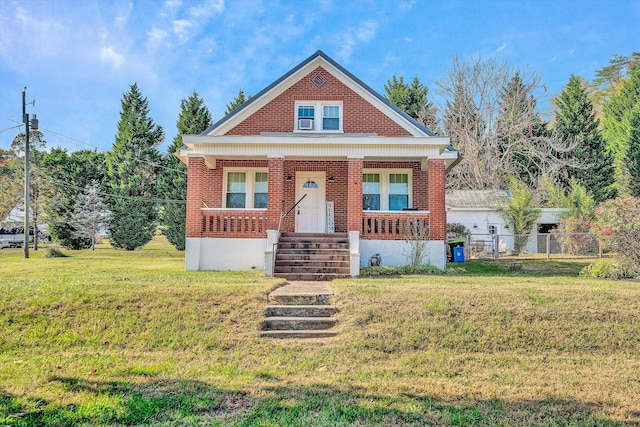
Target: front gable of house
[(319, 91), (316, 98)]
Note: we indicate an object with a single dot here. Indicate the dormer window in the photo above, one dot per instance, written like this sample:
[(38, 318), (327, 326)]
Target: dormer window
[(329, 120)]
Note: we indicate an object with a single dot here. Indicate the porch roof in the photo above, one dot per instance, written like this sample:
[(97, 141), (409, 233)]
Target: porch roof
[(325, 147)]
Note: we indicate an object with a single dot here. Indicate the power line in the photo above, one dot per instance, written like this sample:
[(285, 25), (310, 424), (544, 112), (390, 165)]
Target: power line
[(98, 148), (115, 196), (12, 127)]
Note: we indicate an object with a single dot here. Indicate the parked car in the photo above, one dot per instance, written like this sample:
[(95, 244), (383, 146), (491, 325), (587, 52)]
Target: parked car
[(4, 244)]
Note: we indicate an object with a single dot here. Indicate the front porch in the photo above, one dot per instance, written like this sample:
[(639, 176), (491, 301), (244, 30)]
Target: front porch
[(236, 207)]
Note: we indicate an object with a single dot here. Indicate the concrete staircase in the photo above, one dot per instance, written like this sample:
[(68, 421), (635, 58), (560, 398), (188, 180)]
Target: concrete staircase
[(300, 310), (312, 256)]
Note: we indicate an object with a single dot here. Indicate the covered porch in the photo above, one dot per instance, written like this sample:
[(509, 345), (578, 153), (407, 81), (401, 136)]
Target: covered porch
[(373, 196)]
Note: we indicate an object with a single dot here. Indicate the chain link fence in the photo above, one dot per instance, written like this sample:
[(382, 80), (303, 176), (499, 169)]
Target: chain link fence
[(538, 245)]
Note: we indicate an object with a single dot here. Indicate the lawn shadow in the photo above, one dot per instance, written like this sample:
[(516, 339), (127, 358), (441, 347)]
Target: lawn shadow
[(186, 402)]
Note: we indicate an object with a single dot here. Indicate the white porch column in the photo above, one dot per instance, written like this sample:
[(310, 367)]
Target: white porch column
[(354, 252), (269, 255)]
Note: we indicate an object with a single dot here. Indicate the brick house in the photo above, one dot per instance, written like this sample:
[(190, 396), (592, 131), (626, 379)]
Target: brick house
[(358, 168)]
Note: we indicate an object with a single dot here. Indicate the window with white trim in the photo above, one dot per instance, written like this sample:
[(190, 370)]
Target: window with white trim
[(329, 120), (386, 189), (246, 189)]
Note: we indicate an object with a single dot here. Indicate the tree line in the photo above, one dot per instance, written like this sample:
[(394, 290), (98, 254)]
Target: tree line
[(490, 112)]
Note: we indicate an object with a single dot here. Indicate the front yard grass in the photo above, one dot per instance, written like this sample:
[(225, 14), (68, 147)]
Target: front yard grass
[(129, 338)]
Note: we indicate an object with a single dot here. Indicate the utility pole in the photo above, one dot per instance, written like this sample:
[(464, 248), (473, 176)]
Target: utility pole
[(34, 124)]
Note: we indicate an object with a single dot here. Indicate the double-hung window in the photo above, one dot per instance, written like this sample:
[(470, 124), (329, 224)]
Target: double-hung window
[(398, 191), (386, 190), (246, 189), (371, 191), (318, 116)]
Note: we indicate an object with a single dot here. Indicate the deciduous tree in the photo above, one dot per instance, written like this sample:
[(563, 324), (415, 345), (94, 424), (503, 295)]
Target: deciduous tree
[(491, 119)]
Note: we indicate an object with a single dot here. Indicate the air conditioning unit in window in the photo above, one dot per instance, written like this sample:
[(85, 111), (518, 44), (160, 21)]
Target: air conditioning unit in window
[(305, 124)]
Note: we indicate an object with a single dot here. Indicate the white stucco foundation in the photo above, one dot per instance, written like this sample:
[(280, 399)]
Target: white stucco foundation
[(393, 252), (224, 254)]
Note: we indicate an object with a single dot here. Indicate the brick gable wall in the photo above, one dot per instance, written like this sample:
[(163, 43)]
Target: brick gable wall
[(358, 115)]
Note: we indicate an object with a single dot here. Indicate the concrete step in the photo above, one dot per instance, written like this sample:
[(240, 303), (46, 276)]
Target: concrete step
[(303, 269), (299, 334), (327, 256), (302, 293), (312, 245), (288, 235), (298, 323), (312, 263), (325, 277), (300, 310)]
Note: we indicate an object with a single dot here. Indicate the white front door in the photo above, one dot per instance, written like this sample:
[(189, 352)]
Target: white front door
[(311, 211)]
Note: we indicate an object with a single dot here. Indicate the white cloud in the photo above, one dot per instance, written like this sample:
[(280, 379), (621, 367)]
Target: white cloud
[(502, 47), (408, 39), (110, 56), (181, 29), (207, 9), (156, 36), (123, 15), (355, 35)]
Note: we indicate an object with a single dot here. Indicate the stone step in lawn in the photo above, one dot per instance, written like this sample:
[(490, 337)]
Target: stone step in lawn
[(299, 334), (298, 323), (300, 310)]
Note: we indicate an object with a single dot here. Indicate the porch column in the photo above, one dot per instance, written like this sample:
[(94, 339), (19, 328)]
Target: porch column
[(195, 187), (276, 186), (437, 212), (354, 194)]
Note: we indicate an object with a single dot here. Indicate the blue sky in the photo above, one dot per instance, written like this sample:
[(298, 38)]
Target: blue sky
[(77, 57)]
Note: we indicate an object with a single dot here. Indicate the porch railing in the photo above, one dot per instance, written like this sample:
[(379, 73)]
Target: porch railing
[(392, 225), (234, 223)]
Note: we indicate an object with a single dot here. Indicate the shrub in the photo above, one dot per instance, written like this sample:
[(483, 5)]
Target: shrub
[(456, 229), (575, 236), (617, 225), (386, 270), (605, 270), (54, 251)]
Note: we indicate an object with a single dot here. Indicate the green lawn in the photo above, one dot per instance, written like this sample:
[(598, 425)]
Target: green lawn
[(129, 338)]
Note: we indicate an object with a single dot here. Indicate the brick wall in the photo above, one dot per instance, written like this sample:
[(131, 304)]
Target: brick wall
[(354, 194), (275, 189), (437, 216), (195, 180), (358, 115), (346, 196)]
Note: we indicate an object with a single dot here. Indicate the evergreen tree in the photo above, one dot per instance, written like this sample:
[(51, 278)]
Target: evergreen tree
[(68, 174), (412, 99), (633, 153), (132, 168), (194, 118), (616, 126), (90, 214), (236, 102), (10, 194), (576, 124)]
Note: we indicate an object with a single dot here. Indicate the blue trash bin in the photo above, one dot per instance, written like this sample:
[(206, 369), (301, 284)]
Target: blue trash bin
[(458, 254)]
